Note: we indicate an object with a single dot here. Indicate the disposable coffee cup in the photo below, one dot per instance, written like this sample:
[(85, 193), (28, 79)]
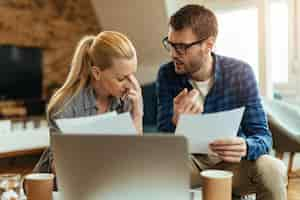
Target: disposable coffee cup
[(217, 184), (38, 186)]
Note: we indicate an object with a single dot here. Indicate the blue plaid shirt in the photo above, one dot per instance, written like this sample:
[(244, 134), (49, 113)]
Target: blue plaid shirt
[(234, 86)]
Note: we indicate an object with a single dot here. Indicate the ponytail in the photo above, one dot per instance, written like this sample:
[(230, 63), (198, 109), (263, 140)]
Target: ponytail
[(77, 78)]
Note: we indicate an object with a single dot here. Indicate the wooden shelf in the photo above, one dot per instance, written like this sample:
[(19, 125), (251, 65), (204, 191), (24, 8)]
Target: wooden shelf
[(22, 153), (21, 162)]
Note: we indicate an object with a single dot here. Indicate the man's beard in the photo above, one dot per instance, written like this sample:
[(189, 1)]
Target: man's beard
[(191, 67), (179, 68)]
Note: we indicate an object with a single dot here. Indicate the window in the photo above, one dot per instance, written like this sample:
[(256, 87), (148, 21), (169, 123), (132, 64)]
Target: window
[(238, 37), (279, 41), (241, 28)]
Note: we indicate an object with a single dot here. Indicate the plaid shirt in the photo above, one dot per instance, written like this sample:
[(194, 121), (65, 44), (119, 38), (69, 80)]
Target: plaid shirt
[(234, 86)]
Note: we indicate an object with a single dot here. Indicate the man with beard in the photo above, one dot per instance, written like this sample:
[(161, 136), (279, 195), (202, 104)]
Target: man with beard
[(200, 81)]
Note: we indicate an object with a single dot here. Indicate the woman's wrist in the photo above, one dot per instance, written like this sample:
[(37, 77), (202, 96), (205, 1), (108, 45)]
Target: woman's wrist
[(138, 123)]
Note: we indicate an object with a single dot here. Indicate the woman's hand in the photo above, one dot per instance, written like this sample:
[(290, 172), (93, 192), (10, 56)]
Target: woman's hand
[(135, 96)]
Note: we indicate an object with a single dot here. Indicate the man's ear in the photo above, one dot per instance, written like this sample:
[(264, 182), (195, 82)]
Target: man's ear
[(96, 73), (210, 43)]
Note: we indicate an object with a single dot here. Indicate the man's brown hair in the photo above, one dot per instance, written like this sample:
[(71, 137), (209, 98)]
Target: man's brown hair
[(201, 20)]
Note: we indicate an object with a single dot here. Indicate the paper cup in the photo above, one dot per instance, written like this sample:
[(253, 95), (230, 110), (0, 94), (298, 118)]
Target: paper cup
[(38, 186), (217, 184)]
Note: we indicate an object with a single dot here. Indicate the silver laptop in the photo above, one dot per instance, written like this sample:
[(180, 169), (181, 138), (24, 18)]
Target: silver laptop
[(93, 167)]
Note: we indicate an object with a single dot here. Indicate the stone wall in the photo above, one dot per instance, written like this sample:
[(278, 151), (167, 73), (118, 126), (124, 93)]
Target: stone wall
[(53, 25)]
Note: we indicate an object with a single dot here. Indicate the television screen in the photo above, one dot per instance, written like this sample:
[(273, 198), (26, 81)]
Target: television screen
[(21, 73)]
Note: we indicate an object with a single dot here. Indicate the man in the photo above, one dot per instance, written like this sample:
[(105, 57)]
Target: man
[(199, 81)]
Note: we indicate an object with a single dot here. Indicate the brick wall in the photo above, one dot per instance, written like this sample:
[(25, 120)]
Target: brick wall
[(53, 25)]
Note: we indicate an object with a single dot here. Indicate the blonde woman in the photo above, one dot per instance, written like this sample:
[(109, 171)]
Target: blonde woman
[(101, 79)]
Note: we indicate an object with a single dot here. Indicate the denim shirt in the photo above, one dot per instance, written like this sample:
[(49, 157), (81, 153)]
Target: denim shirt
[(234, 86)]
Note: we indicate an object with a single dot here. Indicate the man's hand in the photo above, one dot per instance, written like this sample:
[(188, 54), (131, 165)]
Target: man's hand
[(230, 149), (186, 103)]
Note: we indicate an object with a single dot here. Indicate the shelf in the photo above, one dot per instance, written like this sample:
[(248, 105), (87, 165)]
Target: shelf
[(22, 153)]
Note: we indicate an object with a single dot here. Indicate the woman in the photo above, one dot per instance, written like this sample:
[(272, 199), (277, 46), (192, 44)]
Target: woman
[(101, 79)]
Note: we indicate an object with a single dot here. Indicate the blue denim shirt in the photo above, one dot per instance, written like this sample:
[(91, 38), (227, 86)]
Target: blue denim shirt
[(234, 86)]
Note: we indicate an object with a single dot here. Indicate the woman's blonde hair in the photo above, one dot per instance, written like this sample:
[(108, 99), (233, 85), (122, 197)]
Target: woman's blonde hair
[(91, 51)]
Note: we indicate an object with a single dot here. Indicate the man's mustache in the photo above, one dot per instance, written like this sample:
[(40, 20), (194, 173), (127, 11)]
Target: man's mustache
[(178, 61)]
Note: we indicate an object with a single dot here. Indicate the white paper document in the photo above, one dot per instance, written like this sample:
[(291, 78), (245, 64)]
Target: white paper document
[(200, 130), (68, 122), (109, 123)]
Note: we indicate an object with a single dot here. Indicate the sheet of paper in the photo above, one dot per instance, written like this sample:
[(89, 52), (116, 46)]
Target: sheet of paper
[(112, 123), (67, 122), (196, 194), (202, 129)]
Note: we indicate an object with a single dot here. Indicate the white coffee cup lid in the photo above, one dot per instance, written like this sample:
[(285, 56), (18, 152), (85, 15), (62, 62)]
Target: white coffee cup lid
[(39, 176), (212, 173)]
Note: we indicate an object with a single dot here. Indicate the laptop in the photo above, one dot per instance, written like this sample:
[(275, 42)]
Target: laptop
[(110, 167)]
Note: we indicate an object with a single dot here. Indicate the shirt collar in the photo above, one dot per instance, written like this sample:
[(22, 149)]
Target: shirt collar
[(217, 68), (217, 71), (90, 101)]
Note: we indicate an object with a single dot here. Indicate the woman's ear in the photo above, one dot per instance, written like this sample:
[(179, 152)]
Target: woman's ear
[(96, 73)]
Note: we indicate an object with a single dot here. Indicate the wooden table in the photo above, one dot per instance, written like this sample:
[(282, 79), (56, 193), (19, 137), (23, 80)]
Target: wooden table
[(195, 195)]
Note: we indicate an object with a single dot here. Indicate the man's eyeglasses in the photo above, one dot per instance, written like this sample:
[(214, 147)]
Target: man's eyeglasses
[(180, 48)]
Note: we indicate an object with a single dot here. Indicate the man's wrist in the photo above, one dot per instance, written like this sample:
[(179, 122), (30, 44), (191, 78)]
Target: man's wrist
[(246, 154), (175, 119)]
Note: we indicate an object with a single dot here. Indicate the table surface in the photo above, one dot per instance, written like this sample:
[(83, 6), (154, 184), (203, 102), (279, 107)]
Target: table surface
[(196, 194)]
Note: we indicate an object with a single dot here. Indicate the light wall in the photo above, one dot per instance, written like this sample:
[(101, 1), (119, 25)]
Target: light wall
[(173, 5), (145, 23)]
